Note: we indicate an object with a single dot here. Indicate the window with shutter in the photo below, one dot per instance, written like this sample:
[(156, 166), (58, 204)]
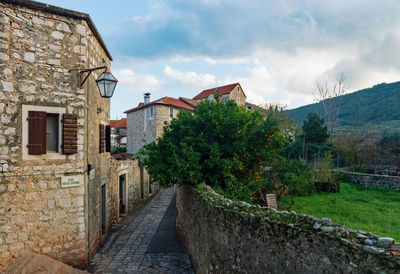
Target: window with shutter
[(37, 132), (101, 138), (70, 134), (108, 139)]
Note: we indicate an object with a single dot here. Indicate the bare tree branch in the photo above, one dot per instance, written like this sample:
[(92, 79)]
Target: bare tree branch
[(330, 100)]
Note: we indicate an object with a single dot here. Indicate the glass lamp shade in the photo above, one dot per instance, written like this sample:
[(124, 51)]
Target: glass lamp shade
[(106, 84)]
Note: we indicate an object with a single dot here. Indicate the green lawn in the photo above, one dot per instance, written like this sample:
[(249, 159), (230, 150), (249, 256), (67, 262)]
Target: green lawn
[(372, 210)]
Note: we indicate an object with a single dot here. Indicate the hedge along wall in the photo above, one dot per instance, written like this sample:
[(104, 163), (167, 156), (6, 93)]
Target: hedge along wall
[(368, 180), (224, 236)]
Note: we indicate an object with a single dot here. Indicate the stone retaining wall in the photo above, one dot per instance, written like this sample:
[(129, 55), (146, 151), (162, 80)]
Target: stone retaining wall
[(371, 180), (224, 236)]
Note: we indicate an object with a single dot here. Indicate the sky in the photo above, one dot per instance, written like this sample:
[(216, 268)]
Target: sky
[(277, 49)]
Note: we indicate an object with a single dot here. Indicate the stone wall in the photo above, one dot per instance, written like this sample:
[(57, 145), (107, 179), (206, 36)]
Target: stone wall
[(238, 96), (37, 51), (224, 236), (142, 130), (137, 187), (371, 180)]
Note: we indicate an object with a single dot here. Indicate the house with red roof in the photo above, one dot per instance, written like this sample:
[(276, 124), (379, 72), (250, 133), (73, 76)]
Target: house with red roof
[(145, 123), (228, 92), (118, 133)]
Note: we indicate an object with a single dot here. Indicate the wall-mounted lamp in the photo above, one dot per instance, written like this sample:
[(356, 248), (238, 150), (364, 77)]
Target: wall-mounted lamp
[(106, 82)]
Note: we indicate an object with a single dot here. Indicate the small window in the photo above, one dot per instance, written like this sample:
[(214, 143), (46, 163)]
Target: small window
[(52, 132), (238, 101), (151, 112), (171, 112)]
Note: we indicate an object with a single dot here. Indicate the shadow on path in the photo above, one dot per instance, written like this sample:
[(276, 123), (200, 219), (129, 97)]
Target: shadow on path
[(167, 238), (146, 241)]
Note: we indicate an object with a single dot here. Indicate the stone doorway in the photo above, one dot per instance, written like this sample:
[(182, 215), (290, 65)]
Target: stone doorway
[(103, 210), (122, 194)]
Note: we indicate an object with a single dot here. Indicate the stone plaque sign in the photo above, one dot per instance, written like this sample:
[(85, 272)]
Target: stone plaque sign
[(71, 181)]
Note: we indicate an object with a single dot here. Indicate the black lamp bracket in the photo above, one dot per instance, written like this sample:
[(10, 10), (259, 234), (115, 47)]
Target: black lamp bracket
[(81, 73)]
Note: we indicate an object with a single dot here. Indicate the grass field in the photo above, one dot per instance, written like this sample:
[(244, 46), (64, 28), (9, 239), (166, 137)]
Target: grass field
[(369, 209)]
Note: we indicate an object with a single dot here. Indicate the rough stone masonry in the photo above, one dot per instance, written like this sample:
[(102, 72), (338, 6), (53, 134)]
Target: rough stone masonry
[(39, 44), (224, 236)]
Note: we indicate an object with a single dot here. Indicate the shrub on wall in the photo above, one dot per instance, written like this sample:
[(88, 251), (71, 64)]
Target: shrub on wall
[(220, 144)]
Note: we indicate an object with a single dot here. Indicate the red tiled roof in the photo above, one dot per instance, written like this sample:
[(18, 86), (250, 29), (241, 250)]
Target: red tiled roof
[(221, 90), (188, 101), (118, 123), (121, 156), (252, 105), (164, 101)]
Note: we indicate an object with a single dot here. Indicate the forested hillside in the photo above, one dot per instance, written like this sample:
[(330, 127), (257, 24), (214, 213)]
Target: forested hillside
[(376, 105)]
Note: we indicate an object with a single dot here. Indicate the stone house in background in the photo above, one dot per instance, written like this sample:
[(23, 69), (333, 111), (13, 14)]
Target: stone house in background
[(118, 133), (55, 187), (228, 92), (145, 123)]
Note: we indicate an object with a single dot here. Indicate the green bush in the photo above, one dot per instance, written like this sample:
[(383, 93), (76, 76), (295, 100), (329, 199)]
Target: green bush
[(220, 144), (297, 179), (323, 172), (119, 150)]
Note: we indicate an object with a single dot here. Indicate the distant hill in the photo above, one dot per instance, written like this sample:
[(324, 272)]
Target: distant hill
[(372, 106)]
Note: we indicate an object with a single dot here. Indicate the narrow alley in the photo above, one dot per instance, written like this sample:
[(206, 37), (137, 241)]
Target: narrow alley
[(145, 241)]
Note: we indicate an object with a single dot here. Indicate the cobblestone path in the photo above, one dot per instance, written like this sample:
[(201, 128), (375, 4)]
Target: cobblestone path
[(145, 242)]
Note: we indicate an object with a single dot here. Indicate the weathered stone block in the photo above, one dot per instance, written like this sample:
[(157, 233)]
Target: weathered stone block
[(29, 57), (63, 27), (57, 35), (7, 86)]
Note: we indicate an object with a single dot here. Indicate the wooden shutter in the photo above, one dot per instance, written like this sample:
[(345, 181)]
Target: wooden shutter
[(70, 134), (108, 139), (36, 132), (101, 138)]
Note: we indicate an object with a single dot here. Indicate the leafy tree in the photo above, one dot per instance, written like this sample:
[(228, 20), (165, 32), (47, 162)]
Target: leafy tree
[(220, 144), (358, 149), (296, 179), (312, 143), (281, 183), (119, 150), (314, 129), (390, 142)]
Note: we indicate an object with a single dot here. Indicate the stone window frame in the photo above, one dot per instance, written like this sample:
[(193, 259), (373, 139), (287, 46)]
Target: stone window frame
[(151, 113), (171, 112), (50, 155)]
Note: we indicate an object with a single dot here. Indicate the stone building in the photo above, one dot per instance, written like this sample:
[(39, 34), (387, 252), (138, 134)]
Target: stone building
[(145, 123), (118, 133), (228, 92), (54, 159), (131, 185)]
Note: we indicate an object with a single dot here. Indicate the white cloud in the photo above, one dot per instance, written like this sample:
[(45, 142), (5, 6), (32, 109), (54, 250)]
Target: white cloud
[(276, 49), (190, 79), (131, 81)]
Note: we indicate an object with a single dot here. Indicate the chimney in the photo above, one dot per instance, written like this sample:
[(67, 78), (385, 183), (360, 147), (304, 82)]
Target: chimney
[(146, 98)]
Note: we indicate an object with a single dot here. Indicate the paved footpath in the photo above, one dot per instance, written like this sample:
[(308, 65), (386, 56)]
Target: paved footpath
[(145, 241)]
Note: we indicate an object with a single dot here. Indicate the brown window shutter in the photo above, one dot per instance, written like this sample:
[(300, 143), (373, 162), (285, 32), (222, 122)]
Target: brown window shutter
[(70, 134), (101, 138), (36, 132), (108, 139)]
